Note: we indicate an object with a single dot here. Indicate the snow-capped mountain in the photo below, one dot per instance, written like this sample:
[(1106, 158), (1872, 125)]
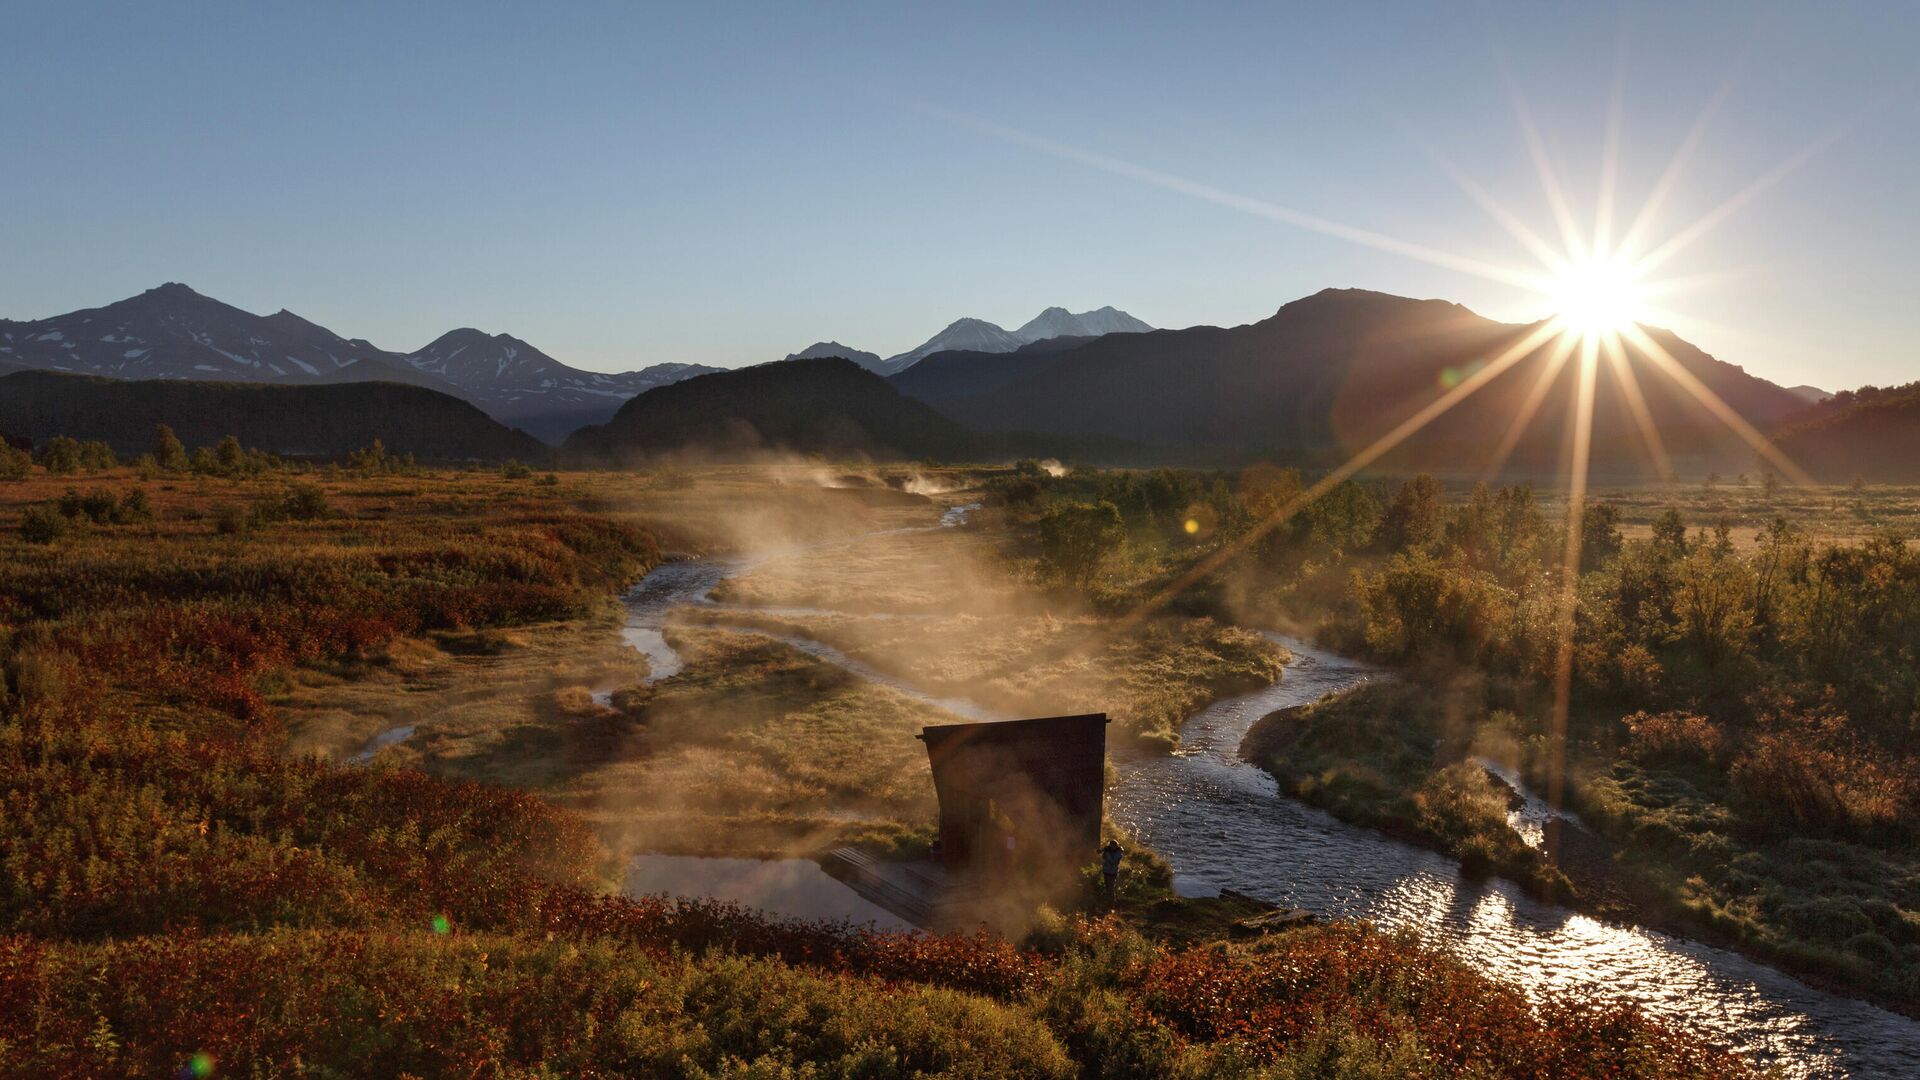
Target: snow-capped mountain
[(979, 335), (970, 335), (521, 385), (1059, 322), (173, 332), (870, 361)]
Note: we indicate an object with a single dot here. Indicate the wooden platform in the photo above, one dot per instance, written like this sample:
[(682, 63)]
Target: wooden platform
[(919, 892)]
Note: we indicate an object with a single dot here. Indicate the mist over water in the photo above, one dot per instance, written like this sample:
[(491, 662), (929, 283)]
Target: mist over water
[(1223, 823)]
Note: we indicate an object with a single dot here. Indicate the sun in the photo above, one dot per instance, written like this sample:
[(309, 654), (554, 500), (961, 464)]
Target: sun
[(1599, 297)]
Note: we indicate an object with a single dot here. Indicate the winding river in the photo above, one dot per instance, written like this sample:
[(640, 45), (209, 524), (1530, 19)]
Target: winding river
[(1223, 824)]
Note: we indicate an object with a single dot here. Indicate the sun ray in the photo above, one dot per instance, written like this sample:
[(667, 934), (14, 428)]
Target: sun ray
[(1536, 395), (1684, 283), (1629, 384), (1570, 578), (1520, 350), (1257, 207), (1576, 244), (1610, 149), (1713, 403), (1676, 165), (1551, 258), (1685, 237)]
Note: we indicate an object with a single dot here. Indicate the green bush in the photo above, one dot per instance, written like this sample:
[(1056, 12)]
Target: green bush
[(42, 524), (168, 452), (60, 456), (15, 463)]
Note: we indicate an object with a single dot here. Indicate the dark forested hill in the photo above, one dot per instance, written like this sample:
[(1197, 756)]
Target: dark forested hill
[(319, 420), (816, 406), (1329, 374), (1870, 433)]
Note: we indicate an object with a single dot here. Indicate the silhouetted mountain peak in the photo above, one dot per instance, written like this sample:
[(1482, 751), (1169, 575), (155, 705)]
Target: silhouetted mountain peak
[(870, 361), (296, 327), (825, 404)]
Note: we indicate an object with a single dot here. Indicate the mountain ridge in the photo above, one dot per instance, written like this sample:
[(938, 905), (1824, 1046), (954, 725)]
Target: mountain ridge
[(173, 332), (1325, 376), (972, 335), (314, 419)]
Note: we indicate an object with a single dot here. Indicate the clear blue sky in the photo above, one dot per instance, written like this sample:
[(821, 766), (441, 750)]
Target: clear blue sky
[(624, 184)]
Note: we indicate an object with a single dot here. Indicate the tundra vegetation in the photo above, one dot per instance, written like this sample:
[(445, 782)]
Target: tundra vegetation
[(195, 880), (1744, 725)]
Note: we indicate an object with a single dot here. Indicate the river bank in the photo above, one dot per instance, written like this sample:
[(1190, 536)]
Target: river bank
[(1374, 757)]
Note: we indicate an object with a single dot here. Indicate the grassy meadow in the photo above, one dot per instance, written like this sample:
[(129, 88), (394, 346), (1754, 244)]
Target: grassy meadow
[(197, 877)]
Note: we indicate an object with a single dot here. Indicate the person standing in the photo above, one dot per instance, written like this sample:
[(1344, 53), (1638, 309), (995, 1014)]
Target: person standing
[(1110, 857)]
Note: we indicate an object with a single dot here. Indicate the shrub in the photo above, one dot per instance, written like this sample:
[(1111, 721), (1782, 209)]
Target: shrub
[(168, 452), (1675, 736), (306, 502), (1789, 782), (96, 456), (1076, 538), (514, 469), (229, 519), (42, 524), (96, 506), (61, 455), (134, 507), (15, 463)]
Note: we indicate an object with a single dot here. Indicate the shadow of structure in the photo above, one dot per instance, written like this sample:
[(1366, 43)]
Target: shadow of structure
[(1021, 802)]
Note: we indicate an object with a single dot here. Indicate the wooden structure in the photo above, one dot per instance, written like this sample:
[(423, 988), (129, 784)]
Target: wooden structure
[(1019, 797)]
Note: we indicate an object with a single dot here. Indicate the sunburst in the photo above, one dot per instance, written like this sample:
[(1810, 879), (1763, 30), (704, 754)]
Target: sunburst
[(1597, 290)]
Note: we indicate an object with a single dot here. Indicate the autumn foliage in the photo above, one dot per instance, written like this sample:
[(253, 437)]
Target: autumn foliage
[(176, 891)]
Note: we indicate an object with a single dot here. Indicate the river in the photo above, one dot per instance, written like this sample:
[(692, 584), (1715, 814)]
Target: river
[(1223, 823)]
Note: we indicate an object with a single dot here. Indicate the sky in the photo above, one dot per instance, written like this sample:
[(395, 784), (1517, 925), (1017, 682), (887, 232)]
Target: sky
[(627, 184)]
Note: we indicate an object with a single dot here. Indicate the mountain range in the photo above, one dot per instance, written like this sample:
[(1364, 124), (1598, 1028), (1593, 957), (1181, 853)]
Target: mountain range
[(1327, 375), (981, 336), (1322, 378), (173, 332), (822, 406)]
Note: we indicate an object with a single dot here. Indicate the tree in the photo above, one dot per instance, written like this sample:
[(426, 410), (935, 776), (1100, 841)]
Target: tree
[(14, 462), (1077, 537), (1412, 520), (168, 452), (229, 457), (96, 456), (61, 455), (1344, 518), (1599, 535), (1670, 533), (1714, 603), (371, 458)]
